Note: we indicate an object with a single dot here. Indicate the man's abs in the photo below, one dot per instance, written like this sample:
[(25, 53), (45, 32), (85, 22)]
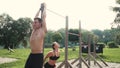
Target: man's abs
[(36, 46), (36, 49)]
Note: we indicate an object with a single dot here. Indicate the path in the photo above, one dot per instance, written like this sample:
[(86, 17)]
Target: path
[(111, 65), (6, 60)]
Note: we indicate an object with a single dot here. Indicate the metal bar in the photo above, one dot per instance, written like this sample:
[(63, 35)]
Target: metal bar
[(56, 13), (80, 46), (95, 61), (102, 60), (66, 63), (80, 50), (86, 59), (84, 63), (89, 48), (94, 53), (60, 66), (73, 34), (75, 60), (66, 43), (69, 65)]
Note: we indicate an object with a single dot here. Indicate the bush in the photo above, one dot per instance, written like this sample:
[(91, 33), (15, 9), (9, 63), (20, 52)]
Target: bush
[(112, 45), (101, 45), (48, 45), (74, 48)]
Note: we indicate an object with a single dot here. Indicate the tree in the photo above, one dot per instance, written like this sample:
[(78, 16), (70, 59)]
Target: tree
[(48, 37), (5, 27), (13, 31), (23, 29), (99, 33), (85, 37), (73, 38), (117, 39), (62, 32), (116, 23), (117, 18), (95, 38), (57, 37), (108, 35)]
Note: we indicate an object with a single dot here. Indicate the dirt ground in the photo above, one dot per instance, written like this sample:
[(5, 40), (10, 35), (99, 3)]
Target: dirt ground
[(7, 60), (110, 65)]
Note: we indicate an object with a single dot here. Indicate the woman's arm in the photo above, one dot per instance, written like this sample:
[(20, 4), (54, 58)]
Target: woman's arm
[(47, 56)]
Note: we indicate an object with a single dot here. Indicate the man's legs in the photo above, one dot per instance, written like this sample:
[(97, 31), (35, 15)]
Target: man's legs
[(28, 62), (38, 61)]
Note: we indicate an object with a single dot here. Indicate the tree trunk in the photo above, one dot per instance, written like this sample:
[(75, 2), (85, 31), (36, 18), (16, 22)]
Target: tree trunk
[(6, 46)]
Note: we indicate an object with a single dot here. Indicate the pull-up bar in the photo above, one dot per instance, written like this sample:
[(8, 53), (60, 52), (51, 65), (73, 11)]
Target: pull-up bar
[(56, 13)]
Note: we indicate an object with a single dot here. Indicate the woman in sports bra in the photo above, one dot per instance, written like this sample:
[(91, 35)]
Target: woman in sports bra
[(53, 56)]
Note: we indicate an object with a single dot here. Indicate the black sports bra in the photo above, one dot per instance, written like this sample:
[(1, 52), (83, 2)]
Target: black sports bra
[(54, 57)]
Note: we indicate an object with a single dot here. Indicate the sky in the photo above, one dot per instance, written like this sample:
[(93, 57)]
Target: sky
[(93, 14)]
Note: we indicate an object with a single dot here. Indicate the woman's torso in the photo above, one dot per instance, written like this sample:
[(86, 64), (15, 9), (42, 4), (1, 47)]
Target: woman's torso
[(53, 58)]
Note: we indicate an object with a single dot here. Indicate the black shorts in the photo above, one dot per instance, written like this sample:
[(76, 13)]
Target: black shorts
[(34, 61), (47, 65)]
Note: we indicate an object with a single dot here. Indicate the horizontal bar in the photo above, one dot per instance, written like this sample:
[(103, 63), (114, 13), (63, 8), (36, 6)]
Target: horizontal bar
[(73, 34)]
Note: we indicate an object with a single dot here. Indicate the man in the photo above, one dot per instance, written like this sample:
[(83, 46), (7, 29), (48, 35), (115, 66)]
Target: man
[(35, 59)]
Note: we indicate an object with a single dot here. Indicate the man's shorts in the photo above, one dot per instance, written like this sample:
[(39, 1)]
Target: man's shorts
[(47, 65), (34, 61)]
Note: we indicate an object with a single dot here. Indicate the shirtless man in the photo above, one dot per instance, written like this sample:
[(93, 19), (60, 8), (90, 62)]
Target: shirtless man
[(35, 59)]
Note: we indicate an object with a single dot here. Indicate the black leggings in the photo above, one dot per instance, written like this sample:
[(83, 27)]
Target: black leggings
[(47, 65), (34, 61)]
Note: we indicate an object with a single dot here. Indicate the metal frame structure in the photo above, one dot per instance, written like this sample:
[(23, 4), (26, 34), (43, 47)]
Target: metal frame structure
[(80, 58), (96, 56), (65, 62), (93, 55)]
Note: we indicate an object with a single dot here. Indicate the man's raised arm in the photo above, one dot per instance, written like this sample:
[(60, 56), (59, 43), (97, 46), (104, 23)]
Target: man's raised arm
[(43, 17), (37, 14)]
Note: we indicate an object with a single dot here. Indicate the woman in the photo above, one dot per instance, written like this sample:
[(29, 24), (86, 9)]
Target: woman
[(53, 56)]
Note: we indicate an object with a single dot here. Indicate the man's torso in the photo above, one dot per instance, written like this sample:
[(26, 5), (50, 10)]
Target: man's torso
[(36, 41)]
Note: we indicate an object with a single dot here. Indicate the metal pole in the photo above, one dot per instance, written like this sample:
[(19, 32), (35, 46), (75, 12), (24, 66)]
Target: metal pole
[(94, 52), (89, 48), (66, 43), (80, 46)]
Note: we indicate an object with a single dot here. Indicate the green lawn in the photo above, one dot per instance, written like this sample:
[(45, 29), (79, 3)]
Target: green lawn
[(111, 55)]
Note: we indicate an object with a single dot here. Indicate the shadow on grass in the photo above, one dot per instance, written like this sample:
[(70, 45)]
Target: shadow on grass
[(103, 56)]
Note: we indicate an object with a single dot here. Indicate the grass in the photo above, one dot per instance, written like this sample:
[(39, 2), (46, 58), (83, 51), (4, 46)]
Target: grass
[(110, 55)]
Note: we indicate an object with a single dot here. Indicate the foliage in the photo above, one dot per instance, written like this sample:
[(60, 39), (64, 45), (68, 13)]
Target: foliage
[(108, 35), (117, 39), (48, 37), (73, 38), (13, 31), (62, 32), (112, 45), (85, 35), (57, 37), (101, 44), (98, 33), (116, 23)]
